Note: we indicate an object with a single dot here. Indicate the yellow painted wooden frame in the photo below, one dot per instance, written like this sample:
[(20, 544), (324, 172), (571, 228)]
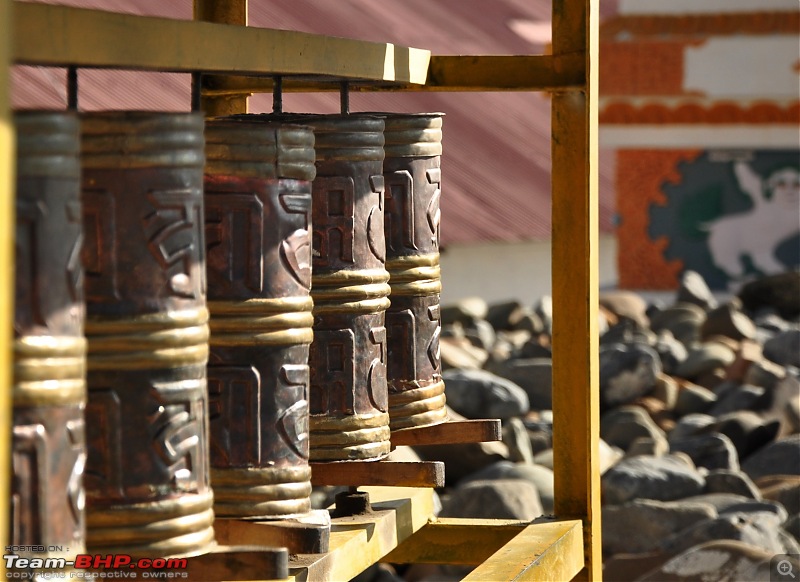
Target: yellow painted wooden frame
[(57, 35), (222, 13), (543, 552), (360, 541), (451, 73), (576, 412), (7, 213)]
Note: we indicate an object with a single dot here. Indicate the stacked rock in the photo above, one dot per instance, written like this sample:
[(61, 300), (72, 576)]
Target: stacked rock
[(700, 424)]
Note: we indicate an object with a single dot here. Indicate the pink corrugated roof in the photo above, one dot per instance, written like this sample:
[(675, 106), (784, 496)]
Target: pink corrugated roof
[(496, 163)]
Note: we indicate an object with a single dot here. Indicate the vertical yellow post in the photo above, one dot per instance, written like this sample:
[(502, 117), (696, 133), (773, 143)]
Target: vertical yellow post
[(223, 12), (7, 167), (575, 283)]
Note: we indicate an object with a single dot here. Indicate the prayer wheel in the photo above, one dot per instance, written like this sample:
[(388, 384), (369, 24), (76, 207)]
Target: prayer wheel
[(348, 395), (412, 177), (147, 475), (258, 216), (49, 390)]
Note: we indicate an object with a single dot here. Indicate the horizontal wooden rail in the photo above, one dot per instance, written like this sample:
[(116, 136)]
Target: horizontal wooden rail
[(506, 72), (359, 541), (454, 540), (542, 552), (59, 36), (445, 73)]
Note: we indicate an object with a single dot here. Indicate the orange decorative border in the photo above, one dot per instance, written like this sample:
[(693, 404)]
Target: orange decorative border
[(773, 22), (721, 112), (645, 67), (640, 177)]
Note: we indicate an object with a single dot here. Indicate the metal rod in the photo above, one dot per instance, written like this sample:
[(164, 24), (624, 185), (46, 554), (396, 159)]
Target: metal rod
[(197, 81), (72, 88), (344, 97), (277, 95)]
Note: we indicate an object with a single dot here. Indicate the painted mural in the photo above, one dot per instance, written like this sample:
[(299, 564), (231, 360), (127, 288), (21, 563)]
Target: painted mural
[(729, 215)]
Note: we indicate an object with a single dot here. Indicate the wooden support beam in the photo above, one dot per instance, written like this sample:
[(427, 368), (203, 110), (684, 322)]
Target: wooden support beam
[(7, 230), (450, 540), (239, 563), (445, 73), (449, 433), (379, 473), (222, 12), (55, 35), (308, 534), (575, 283), (360, 541), (505, 72), (542, 552)]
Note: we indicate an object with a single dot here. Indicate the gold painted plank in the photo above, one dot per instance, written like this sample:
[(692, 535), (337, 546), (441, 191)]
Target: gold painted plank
[(7, 189), (445, 73), (575, 284), (360, 541), (450, 540), (59, 35), (222, 12), (543, 552)]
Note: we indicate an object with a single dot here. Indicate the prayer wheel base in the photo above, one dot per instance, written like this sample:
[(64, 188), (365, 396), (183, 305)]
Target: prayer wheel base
[(182, 526), (379, 473), (262, 493), (451, 432), (417, 406), (307, 534), (349, 438)]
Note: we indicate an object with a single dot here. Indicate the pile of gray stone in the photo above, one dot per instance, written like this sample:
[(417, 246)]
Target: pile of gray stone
[(700, 426)]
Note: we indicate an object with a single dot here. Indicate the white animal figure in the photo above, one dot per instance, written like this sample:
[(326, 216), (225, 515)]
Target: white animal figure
[(760, 230)]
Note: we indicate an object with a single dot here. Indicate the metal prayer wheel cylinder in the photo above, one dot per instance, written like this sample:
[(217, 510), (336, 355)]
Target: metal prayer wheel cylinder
[(147, 475), (412, 176), (258, 216), (348, 395), (49, 390)]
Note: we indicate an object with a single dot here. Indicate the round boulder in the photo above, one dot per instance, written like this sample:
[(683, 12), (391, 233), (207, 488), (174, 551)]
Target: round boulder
[(627, 371), (661, 478), (498, 499), (481, 394)]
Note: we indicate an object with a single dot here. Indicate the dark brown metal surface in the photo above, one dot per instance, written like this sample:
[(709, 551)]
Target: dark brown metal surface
[(49, 391), (258, 215), (147, 477), (348, 395), (413, 178)]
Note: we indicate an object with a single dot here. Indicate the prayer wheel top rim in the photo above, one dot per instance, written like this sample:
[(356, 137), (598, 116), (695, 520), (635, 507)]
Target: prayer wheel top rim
[(131, 139), (259, 149), (47, 143), (412, 135), (355, 137)]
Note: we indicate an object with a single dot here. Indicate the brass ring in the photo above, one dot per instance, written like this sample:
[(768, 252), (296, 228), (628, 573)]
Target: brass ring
[(259, 476), (162, 340), (261, 306), (49, 371)]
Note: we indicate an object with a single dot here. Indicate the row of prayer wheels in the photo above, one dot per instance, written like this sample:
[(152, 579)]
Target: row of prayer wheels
[(208, 305)]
